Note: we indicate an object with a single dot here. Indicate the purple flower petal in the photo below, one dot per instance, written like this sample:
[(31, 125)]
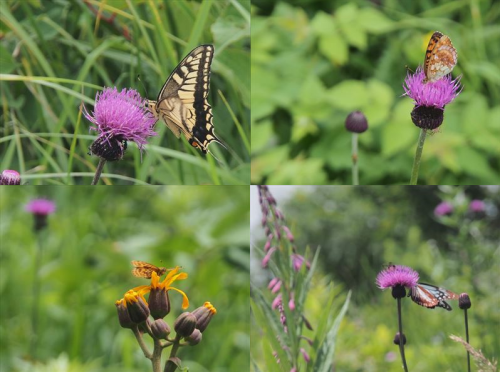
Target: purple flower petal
[(436, 94), (41, 207), (397, 275)]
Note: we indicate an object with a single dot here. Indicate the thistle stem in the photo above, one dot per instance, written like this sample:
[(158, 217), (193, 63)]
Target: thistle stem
[(418, 155), (401, 345), (98, 171), (355, 179), (467, 338), (36, 296)]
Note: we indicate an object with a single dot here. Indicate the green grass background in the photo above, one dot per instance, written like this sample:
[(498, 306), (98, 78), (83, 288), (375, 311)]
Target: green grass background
[(314, 62), (87, 248), (361, 229), (57, 55)]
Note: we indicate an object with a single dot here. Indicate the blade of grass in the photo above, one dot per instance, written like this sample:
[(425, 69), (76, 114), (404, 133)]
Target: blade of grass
[(199, 26)]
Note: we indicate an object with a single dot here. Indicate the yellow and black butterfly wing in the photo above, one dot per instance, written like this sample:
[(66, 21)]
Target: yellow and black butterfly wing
[(182, 102), (143, 269)]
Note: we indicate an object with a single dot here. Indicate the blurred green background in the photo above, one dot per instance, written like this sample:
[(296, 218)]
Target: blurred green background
[(87, 248), (314, 62), (57, 54), (359, 229)]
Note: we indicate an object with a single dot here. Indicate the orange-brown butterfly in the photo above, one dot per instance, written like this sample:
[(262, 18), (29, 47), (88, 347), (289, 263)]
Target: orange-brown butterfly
[(145, 270), (430, 296), (440, 57)]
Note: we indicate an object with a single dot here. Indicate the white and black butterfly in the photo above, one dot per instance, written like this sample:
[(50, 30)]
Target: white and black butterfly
[(430, 296), (182, 102)]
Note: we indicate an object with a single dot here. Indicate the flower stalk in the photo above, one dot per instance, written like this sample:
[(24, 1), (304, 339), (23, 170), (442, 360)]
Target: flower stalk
[(401, 338), (98, 171), (418, 156), (355, 179)]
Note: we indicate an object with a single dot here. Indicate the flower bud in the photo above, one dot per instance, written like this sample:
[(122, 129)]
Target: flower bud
[(427, 117), (185, 324), (464, 301), (398, 291), (397, 339), (356, 122), (137, 308), (203, 315), (123, 315), (159, 303), (194, 338), (160, 329)]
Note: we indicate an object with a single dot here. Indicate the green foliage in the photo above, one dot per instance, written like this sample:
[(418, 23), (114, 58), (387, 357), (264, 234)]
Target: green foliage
[(57, 56), (359, 229), (87, 248), (280, 346), (313, 62)]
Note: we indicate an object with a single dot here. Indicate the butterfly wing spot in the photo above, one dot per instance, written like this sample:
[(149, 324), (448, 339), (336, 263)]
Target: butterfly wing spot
[(440, 57), (430, 296)]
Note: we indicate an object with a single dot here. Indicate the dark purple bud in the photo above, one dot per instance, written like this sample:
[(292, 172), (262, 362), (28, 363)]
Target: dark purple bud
[(10, 177), (464, 301), (194, 338), (160, 329), (397, 339), (185, 324), (356, 122)]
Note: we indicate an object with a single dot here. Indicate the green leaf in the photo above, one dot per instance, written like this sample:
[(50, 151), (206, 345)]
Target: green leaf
[(323, 24), (299, 172), (374, 21), (348, 95), (334, 48), (324, 358)]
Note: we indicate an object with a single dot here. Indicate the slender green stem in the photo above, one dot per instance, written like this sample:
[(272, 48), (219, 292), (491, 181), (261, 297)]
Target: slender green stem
[(467, 338), (36, 296), (401, 345), (355, 178), (98, 171), (157, 356), (418, 155)]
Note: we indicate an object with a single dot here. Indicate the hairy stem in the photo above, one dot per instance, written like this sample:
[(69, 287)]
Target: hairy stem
[(355, 178), (418, 155), (157, 356), (98, 171), (401, 345), (140, 340)]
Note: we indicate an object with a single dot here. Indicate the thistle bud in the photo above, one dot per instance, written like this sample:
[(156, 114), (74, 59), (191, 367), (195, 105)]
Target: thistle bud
[(397, 339), (160, 329), (10, 177), (111, 149), (356, 122), (185, 324), (464, 301)]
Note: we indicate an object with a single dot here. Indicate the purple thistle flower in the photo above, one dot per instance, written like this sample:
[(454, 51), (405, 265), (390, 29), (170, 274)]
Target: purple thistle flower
[(397, 275), (477, 206), (10, 177), (430, 98), (41, 207), (119, 117), (443, 209), (267, 257)]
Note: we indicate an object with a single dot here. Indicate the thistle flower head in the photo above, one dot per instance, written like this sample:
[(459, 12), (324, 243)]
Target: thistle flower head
[(10, 177), (477, 206), (119, 117), (443, 209), (397, 275), (41, 207), (430, 98)]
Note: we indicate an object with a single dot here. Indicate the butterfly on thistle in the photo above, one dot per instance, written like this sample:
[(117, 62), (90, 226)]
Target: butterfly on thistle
[(440, 57), (430, 296), (145, 270)]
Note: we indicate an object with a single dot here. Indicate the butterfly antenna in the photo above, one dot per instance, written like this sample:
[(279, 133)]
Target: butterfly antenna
[(409, 69), (139, 78)]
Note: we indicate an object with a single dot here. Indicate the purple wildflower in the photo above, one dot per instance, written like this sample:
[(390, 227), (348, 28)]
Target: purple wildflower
[(276, 302), (10, 177), (119, 117), (41, 207), (397, 275), (430, 98), (443, 209), (289, 234), (306, 356), (275, 285), (477, 206), (267, 257), (298, 261), (291, 303)]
